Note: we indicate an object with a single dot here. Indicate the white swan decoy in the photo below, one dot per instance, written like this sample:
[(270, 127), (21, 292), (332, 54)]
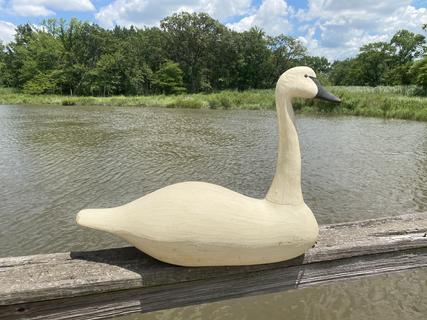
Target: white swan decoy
[(202, 224)]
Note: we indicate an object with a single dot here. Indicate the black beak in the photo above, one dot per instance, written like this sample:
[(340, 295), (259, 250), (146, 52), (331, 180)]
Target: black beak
[(323, 94)]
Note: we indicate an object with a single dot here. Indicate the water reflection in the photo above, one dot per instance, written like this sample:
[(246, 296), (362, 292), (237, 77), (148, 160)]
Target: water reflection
[(393, 296)]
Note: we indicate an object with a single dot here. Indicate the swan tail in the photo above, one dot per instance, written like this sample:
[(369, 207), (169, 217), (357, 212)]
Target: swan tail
[(99, 219)]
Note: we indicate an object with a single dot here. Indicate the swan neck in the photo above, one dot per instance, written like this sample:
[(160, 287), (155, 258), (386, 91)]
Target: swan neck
[(286, 185)]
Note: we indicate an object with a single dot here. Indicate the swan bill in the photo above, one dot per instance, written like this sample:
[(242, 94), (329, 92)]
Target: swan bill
[(324, 94)]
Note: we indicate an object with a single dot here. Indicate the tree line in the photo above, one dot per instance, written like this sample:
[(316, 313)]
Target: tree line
[(189, 52), (401, 61)]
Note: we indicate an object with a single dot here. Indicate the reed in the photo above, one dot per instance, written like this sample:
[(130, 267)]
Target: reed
[(400, 102)]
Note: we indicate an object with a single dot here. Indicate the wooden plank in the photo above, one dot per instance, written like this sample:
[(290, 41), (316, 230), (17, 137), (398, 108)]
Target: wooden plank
[(100, 284), (119, 303)]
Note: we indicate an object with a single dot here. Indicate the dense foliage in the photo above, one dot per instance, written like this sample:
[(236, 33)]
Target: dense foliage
[(189, 52), (396, 62)]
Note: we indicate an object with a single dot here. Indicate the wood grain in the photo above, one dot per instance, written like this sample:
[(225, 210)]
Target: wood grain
[(107, 283)]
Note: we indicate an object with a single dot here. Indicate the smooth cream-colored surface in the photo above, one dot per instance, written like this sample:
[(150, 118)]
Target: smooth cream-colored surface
[(201, 224)]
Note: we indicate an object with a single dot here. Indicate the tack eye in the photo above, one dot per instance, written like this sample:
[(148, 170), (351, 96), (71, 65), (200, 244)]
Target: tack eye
[(306, 75)]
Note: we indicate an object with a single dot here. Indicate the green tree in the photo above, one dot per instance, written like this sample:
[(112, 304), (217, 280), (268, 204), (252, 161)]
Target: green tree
[(407, 46), (106, 76), (381, 63), (16, 55), (254, 60), (346, 73), (168, 79), (189, 50), (419, 69), (191, 39), (84, 44), (142, 52), (40, 83), (374, 60), (2, 64), (85, 59), (419, 72), (35, 54)]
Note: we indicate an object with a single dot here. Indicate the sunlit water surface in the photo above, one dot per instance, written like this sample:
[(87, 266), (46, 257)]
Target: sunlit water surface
[(55, 161)]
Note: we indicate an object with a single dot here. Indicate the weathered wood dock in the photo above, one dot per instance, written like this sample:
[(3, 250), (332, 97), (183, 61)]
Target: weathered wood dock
[(107, 283)]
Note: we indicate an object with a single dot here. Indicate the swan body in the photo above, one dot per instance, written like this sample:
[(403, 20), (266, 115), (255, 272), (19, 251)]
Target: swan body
[(199, 224), (202, 224)]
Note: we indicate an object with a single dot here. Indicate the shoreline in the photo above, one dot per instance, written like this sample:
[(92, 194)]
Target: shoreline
[(379, 102)]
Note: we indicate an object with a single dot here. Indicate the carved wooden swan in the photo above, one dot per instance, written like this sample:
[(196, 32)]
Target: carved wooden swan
[(202, 224)]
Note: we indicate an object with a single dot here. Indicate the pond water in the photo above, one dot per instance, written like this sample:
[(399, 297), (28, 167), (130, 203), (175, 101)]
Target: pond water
[(397, 296), (55, 161)]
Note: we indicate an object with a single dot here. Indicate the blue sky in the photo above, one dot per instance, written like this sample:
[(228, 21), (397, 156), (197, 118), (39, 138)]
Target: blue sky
[(332, 28)]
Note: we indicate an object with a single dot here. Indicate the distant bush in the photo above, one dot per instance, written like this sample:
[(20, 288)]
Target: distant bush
[(40, 84), (214, 103), (185, 102), (68, 102)]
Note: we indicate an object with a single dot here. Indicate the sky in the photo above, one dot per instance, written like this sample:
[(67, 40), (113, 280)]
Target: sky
[(331, 28)]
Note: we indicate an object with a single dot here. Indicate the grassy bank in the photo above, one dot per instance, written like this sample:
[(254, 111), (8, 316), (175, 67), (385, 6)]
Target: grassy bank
[(251, 99), (381, 102), (386, 102)]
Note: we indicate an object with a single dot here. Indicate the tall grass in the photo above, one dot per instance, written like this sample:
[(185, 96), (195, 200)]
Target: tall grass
[(385, 102), (388, 102), (251, 99)]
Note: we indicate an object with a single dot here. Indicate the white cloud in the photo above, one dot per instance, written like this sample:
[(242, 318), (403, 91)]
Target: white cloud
[(33, 8), (337, 29), (7, 31), (150, 12), (272, 16), (223, 9), (337, 9)]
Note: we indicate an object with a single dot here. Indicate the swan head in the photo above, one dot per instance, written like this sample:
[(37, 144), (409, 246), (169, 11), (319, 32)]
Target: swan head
[(301, 82)]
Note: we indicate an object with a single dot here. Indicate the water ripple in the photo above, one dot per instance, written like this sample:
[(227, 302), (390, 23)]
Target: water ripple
[(58, 160)]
